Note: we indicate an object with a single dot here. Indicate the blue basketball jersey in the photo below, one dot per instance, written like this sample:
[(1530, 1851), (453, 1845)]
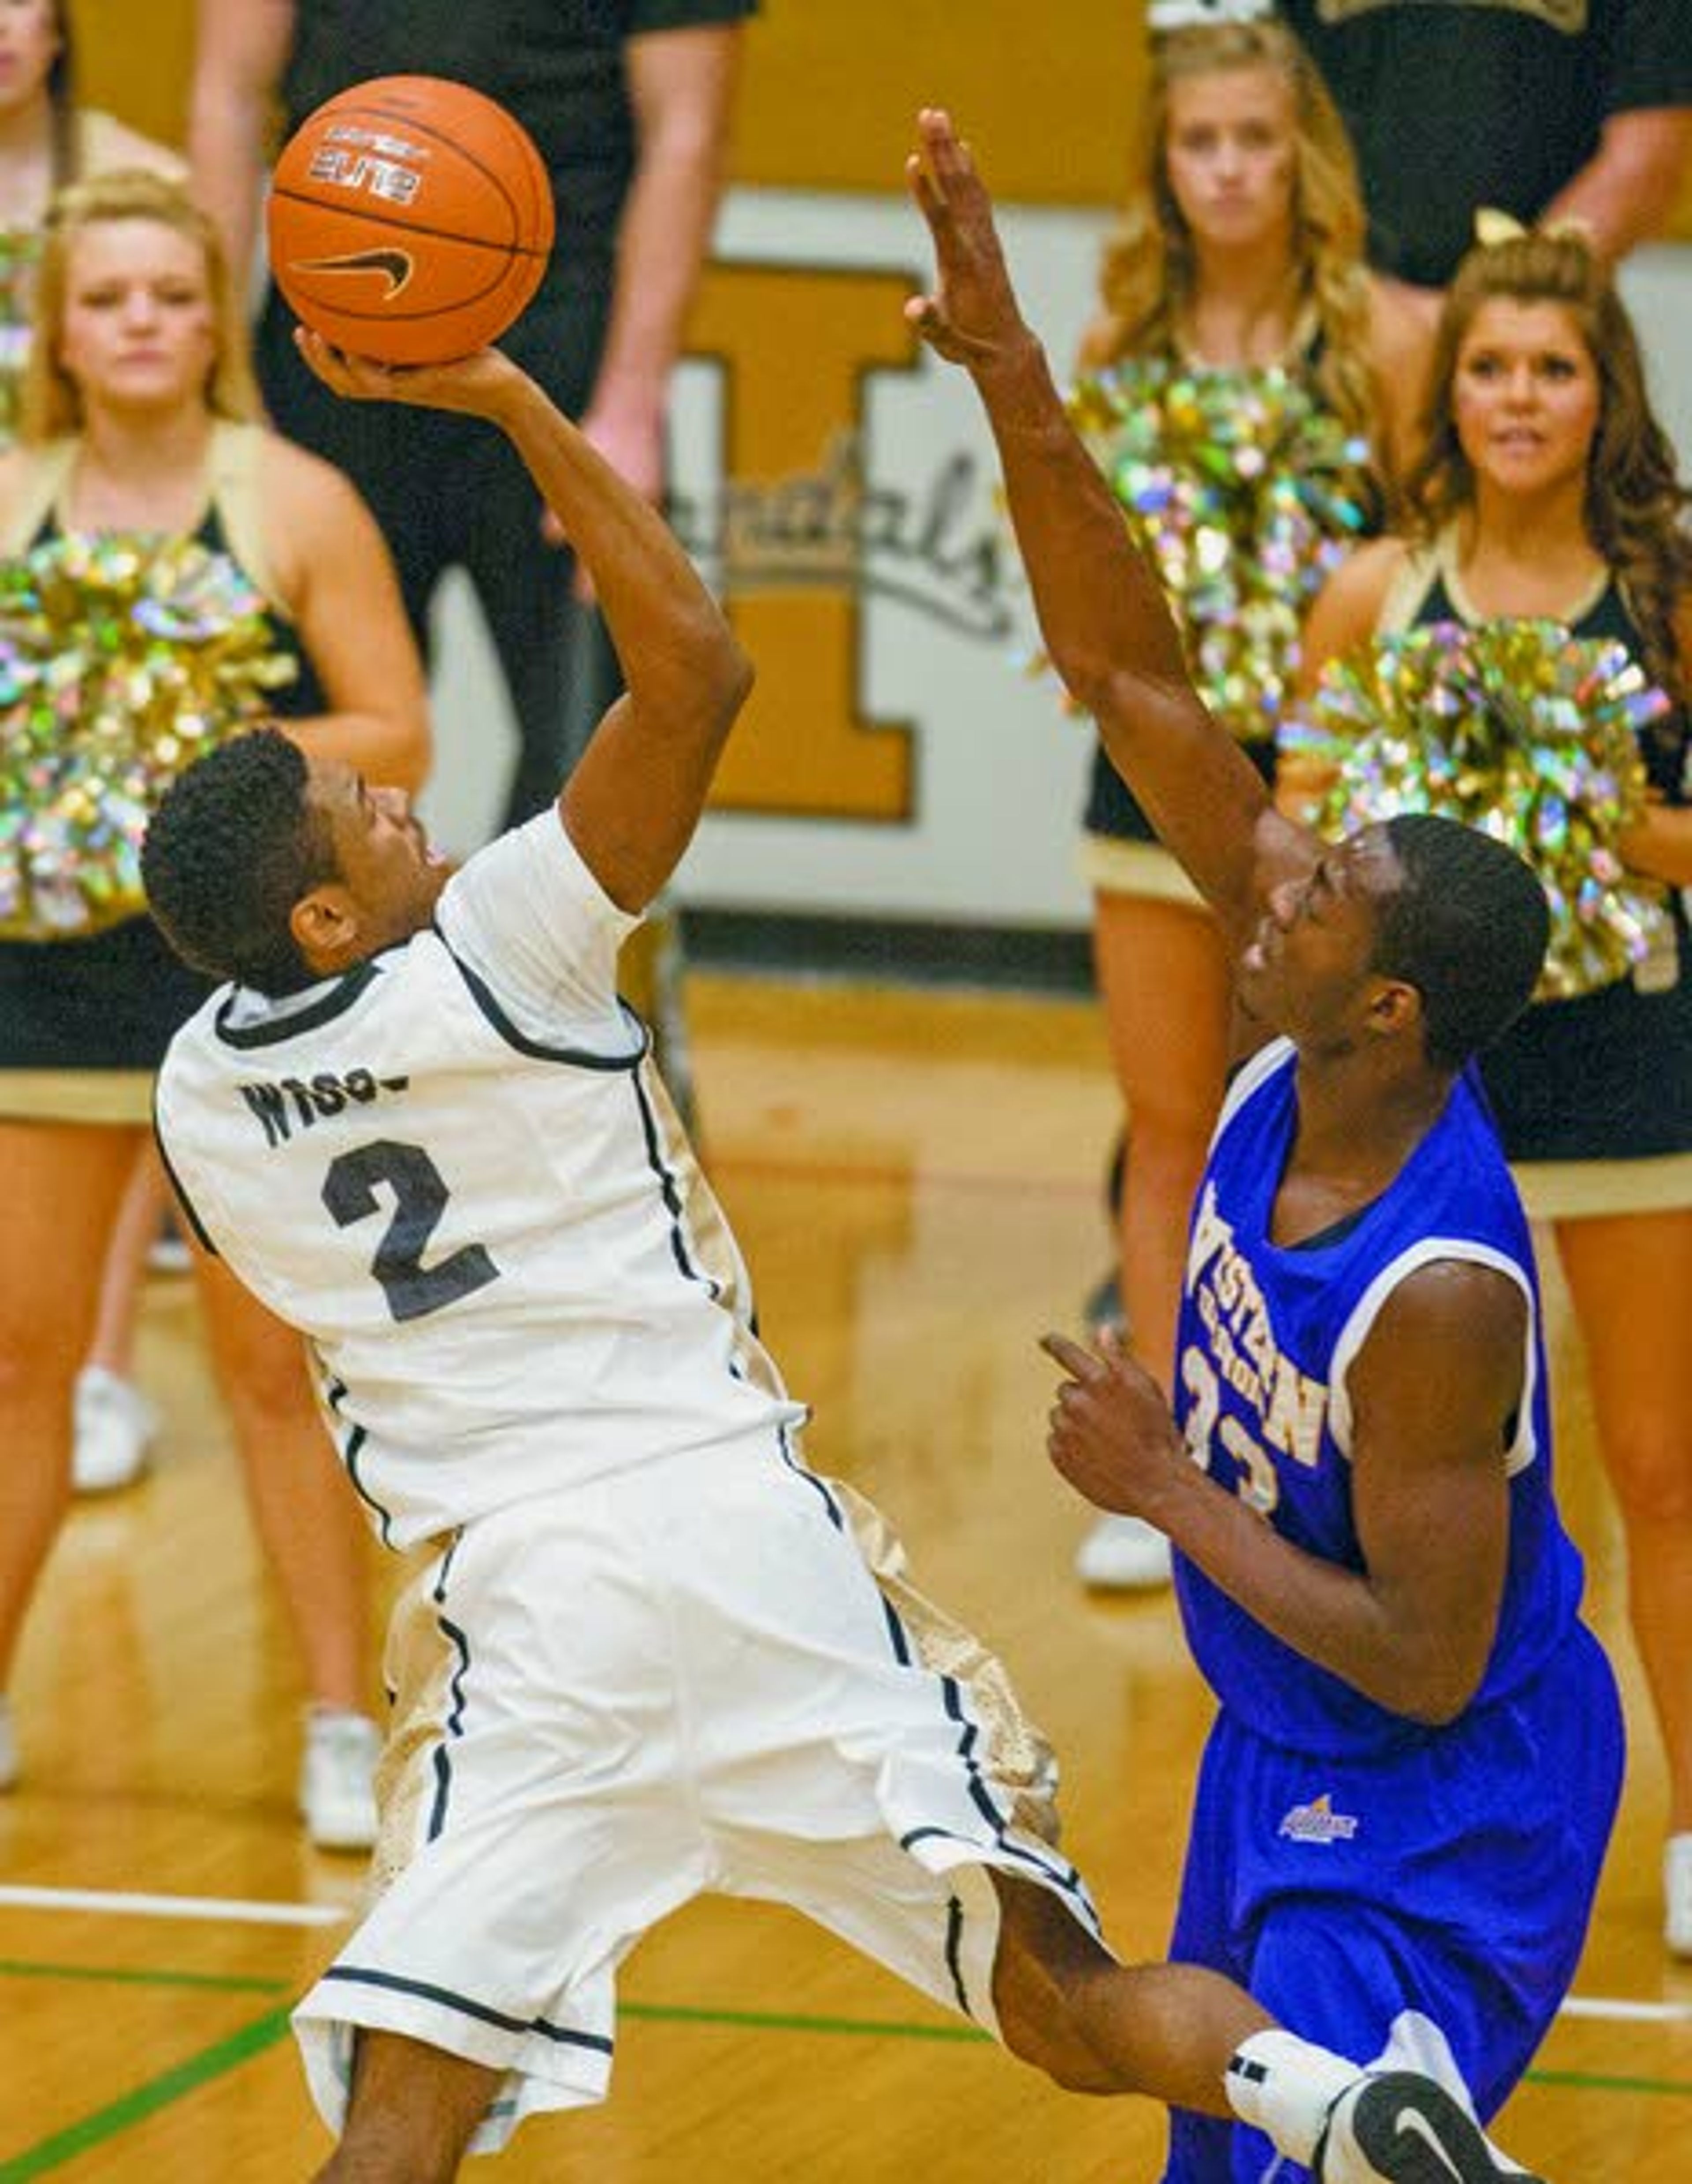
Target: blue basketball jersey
[(1268, 1334)]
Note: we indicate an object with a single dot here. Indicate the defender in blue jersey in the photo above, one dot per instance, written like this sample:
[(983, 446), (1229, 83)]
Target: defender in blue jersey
[(1406, 1868), (1406, 1798)]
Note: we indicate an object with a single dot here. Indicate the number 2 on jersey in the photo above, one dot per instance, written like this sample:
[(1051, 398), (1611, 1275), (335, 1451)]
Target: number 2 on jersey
[(419, 1199)]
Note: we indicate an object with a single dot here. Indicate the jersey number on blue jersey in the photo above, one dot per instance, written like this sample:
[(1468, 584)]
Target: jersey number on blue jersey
[(1258, 1484)]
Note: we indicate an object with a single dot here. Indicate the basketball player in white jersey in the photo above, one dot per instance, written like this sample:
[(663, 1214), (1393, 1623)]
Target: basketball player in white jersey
[(649, 1654)]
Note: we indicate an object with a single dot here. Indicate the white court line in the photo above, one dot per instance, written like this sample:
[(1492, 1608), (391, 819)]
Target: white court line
[(1627, 2013), (118, 1904)]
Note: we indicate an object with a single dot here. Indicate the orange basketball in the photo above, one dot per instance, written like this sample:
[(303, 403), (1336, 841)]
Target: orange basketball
[(409, 219)]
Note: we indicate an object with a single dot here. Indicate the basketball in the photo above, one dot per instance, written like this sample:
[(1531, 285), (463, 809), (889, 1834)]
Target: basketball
[(409, 220)]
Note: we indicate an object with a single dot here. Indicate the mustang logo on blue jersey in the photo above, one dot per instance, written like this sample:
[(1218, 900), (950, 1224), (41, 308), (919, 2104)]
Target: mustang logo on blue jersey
[(1318, 1823)]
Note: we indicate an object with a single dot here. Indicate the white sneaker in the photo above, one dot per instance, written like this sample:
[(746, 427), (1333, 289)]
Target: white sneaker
[(1677, 1895), (1103, 1309), (8, 1748), (1399, 2127), (167, 1254), (1123, 1554), (115, 1427), (338, 1796)]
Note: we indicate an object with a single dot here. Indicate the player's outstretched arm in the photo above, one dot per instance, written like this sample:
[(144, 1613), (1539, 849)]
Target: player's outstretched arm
[(635, 797), (1101, 608)]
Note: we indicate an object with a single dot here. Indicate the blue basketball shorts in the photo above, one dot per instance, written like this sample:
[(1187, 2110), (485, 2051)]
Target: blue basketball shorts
[(1427, 1906)]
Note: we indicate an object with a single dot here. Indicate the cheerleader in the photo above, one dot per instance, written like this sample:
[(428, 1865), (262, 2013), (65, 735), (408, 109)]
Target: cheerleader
[(1548, 494), (138, 453), (47, 140)]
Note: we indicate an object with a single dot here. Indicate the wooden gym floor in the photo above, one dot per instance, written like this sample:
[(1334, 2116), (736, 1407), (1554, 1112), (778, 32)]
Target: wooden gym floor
[(916, 1180)]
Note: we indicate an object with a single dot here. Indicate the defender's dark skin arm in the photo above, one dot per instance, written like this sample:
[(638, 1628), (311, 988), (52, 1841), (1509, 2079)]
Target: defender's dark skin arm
[(1442, 1370), (1432, 1391)]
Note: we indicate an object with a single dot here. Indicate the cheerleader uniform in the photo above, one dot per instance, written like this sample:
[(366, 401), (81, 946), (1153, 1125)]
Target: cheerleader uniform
[(84, 1022), (1593, 1096), (20, 247), (1121, 853)]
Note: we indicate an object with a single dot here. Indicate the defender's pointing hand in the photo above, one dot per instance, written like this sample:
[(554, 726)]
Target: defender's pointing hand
[(1110, 1432)]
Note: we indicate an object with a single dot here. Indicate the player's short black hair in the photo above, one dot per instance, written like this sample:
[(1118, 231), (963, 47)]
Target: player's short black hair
[(1467, 926), (231, 848)]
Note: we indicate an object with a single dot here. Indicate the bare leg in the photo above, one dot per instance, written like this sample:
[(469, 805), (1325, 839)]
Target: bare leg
[(63, 1183), (306, 1513), (142, 1209), (1171, 2031), (411, 2114), (1066, 2006), (1630, 1276), (1164, 978)]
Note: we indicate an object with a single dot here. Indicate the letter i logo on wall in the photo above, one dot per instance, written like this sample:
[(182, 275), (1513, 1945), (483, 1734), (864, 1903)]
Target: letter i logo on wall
[(781, 424)]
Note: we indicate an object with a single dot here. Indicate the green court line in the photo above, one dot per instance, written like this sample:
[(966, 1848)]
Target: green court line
[(133, 2107), (761, 2021), (241, 2047), (871, 2028), (216, 1982), (1596, 2082)]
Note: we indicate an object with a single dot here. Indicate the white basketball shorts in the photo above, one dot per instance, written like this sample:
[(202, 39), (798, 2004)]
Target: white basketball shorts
[(710, 1674)]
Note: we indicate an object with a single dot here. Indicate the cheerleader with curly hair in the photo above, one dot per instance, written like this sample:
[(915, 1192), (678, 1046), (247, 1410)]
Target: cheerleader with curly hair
[(1549, 491)]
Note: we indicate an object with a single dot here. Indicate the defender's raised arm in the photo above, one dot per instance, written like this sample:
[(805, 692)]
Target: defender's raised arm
[(1101, 608)]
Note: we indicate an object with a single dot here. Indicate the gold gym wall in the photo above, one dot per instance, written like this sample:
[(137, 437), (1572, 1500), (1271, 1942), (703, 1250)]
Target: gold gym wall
[(829, 88)]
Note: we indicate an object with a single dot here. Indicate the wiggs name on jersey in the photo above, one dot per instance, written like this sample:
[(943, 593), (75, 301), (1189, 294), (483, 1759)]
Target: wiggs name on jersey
[(281, 1106)]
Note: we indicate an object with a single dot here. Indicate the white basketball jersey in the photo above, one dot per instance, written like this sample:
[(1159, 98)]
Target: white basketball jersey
[(456, 1172)]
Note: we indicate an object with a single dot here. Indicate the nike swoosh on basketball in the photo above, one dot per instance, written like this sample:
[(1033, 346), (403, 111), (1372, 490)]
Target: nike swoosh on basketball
[(396, 267), (1407, 2120)]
